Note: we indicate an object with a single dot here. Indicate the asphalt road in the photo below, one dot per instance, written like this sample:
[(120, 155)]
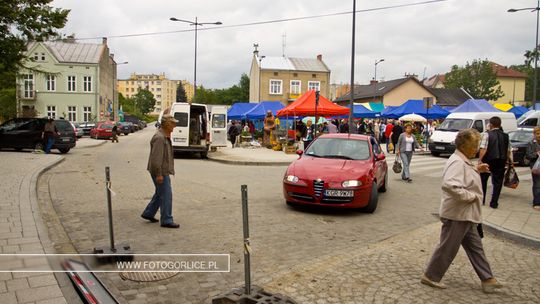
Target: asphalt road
[(207, 204)]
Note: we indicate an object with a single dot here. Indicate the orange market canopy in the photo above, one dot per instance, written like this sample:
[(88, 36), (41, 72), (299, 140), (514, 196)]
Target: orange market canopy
[(305, 106)]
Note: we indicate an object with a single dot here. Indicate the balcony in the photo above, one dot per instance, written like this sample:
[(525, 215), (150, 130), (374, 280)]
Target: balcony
[(27, 95)]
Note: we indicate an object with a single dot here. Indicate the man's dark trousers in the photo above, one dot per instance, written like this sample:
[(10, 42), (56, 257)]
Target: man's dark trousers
[(497, 169)]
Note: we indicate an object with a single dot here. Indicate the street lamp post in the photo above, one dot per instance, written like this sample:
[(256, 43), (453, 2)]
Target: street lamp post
[(535, 52), (351, 105), (196, 24), (375, 79), (260, 69), (115, 105)]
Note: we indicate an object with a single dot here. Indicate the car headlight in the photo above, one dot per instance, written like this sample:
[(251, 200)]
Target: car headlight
[(430, 140), (292, 178), (514, 149), (351, 183)]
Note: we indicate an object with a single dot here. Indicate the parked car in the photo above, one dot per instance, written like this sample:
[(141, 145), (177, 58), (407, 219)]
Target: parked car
[(87, 126), (519, 140), (79, 132), (338, 170), (124, 127), (26, 133), (102, 130)]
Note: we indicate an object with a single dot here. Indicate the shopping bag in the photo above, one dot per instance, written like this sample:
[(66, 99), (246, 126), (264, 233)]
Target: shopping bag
[(390, 146), (511, 179), (536, 167), (397, 165)]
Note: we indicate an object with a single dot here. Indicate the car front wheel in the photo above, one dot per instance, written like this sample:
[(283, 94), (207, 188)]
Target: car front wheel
[(373, 199), (64, 150)]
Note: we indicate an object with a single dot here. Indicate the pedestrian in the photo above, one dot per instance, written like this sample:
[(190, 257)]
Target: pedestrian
[(405, 147), (50, 131), (251, 129), (269, 126), (332, 128), (387, 134), (533, 151), (382, 137), (377, 130), (114, 137), (344, 127), (309, 135), (161, 167), (233, 133), (460, 214), (495, 150), (396, 132)]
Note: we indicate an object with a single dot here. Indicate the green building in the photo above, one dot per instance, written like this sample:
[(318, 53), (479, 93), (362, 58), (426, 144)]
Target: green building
[(67, 79)]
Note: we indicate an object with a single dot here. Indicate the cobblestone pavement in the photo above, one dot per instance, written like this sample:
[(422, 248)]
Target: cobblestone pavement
[(207, 205)]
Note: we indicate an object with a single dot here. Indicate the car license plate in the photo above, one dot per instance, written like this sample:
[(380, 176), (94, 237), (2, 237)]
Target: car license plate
[(339, 193), (439, 148), (179, 139), (65, 139)]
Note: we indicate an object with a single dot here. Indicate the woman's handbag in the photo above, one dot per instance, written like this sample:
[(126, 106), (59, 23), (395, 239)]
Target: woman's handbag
[(511, 179), (390, 145), (536, 167), (397, 165)]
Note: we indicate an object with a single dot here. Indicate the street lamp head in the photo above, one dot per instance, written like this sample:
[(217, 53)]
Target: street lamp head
[(173, 19), (381, 60), (512, 10), (218, 23)]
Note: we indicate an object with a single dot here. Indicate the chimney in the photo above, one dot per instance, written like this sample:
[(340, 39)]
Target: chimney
[(319, 57), (373, 81), (104, 41)]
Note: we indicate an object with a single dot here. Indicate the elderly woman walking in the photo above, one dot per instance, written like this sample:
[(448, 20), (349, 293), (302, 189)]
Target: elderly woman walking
[(533, 151), (460, 213), (405, 147)]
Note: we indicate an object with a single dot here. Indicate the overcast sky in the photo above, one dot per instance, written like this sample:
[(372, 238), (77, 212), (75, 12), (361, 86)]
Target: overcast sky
[(432, 36)]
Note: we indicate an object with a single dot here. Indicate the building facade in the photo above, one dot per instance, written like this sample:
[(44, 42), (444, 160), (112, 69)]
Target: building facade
[(285, 79), (164, 90), (66, 79)]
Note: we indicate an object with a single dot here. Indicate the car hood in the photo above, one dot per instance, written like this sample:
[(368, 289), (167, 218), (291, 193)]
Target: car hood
[(329, 169)]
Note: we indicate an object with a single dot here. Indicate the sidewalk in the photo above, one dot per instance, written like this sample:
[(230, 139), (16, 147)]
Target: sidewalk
[(22, 230), (87, 142), (516, 220)]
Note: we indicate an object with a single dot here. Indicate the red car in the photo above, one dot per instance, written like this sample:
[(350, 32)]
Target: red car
[(102, 130), (338, 170)]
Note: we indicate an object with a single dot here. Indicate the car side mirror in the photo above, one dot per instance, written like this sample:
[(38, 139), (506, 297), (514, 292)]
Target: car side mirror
[(381, 157), (299, 152)]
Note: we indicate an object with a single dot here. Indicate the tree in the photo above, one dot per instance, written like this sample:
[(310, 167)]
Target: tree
[(478, 78), (226, 96), (22, 21), (144, 101), (181, 93), (244, 87)]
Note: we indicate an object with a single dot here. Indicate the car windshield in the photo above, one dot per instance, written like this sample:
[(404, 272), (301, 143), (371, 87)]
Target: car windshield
[(342, 148), (521, 136), (455, 124)]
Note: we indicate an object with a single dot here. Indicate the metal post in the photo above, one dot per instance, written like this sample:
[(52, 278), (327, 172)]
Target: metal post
[(247, 260), (195, 65), (375, 82), (109, 206), (536, 56), (352, 68)]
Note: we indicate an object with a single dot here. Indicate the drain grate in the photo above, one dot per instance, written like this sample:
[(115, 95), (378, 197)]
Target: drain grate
[(150, 276)]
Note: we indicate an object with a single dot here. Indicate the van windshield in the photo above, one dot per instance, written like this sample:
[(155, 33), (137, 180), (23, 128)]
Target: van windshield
[(455, 124)]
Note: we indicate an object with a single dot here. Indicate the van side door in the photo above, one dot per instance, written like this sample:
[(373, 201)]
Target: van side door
[(180, 134), (218, 127)]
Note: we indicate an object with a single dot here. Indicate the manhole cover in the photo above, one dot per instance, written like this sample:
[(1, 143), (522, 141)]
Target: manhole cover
[(149, 276)]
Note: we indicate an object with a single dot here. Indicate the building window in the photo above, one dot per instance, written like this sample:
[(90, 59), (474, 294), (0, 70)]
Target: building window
[(276, 74), (275, 86), (72, 113), (296, 86), (36, 57), (28, 85), (158, 96), (132, 89), (87, 113), (158, 82), (71, 84), (51, 111), (313, 75), (51, 83), (158, 89), (42, 56), (314, 85), (87, 83)]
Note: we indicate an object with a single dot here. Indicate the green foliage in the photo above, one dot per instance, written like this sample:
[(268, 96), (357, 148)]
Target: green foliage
[(22, 21), (524, 68), (144, 101), (477, 78), (227, 96), (130, 107), (8, 104), (181, 93)]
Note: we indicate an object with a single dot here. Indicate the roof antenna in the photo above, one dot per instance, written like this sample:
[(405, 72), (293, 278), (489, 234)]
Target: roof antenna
[(283, 43)]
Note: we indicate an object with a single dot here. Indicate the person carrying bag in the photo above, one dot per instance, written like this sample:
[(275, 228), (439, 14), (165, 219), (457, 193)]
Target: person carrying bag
[(397, 165)]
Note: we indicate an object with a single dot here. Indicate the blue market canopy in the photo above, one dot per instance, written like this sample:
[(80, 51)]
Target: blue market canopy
[(475, 105), (259, 111), (360, 111), (239, 110), (415, 106), (518, 111)]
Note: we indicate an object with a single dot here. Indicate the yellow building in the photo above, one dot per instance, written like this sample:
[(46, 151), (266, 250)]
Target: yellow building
[(285, 79), (188, 87), (512, 84), (164, 90)]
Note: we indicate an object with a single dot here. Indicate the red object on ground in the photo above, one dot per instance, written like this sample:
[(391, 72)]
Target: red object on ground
[(305, 106), (318, 177)]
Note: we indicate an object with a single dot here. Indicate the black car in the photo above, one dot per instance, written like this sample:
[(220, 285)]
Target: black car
[(25, 133), (519, 140), (124, 127)]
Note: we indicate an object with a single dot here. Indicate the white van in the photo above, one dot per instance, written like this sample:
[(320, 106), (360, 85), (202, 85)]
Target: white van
[(443, 138), (191, 133), (530, 119), (218, 122)]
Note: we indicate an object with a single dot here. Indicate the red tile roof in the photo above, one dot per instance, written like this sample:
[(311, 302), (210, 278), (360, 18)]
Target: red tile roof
[(503, 71)]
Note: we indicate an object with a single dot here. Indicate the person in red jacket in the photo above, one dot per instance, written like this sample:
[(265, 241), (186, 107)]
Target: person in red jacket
[(387, 132)]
